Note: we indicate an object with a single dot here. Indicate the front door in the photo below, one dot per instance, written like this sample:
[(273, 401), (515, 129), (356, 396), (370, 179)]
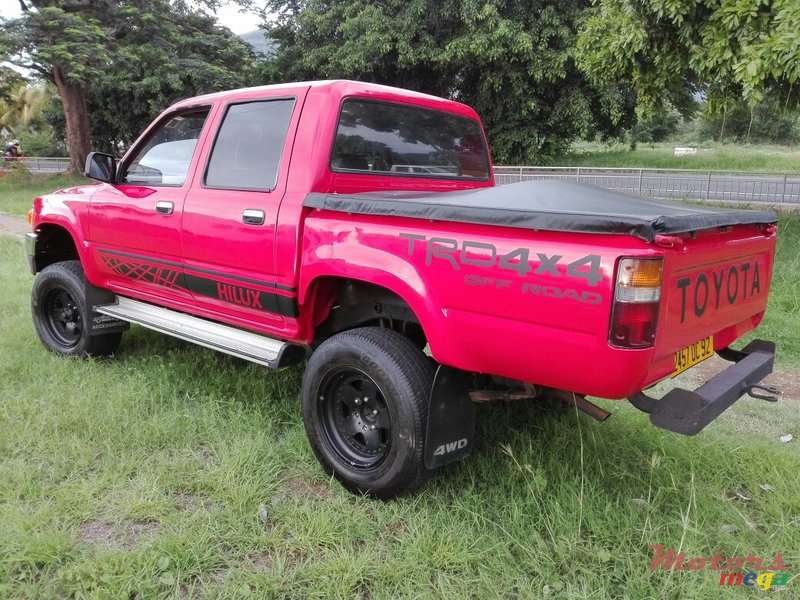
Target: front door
[(135, 224), (230, 216)]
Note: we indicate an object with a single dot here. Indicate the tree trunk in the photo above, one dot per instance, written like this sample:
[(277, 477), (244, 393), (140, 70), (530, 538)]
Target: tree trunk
[(73, 97)]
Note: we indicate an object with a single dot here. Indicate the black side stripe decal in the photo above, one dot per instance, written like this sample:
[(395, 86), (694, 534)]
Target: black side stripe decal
[(170, 263), (125, 265)]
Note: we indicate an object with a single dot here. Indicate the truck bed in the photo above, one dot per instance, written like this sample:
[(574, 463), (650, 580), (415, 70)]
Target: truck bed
[(546, 206)]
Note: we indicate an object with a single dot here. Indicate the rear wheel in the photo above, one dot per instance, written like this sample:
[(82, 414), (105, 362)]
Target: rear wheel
[(60, 313), (365, 408)]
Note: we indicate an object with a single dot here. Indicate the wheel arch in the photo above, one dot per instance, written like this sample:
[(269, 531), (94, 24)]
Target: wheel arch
[(54, 243), (339, 303)]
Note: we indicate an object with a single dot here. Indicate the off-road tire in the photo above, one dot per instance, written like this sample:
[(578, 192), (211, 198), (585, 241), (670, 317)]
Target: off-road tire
[(61, 316), (395, 376)]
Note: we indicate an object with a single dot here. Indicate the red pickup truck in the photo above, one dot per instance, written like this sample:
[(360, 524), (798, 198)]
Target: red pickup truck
[(360, 224)]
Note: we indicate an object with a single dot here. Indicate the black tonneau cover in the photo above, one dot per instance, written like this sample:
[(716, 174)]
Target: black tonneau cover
[(545, 205)]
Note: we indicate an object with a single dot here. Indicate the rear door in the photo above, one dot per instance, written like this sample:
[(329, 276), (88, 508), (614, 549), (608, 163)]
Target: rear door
[(135, 225), (230, 216)]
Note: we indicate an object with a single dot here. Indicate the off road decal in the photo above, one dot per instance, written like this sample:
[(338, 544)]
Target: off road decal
[(520, 262), (724, 286), (169, 275)]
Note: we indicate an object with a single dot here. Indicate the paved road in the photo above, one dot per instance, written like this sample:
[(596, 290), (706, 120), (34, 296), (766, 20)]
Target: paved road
[(773, 189)]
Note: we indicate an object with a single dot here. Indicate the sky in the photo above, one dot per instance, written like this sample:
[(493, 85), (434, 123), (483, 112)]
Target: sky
[(227, 15)]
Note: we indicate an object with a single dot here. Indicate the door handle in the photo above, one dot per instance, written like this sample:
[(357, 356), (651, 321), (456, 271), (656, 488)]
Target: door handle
[(252, 216), (164, 207)]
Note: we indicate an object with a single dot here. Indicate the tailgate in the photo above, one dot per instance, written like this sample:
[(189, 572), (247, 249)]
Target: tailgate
[(717, 285)]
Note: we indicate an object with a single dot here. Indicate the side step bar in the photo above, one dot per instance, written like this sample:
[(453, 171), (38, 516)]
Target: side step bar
[(230, 340)]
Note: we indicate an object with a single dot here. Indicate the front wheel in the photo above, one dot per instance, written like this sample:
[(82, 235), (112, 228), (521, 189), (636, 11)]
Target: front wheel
[(365, 409), (61, 315)]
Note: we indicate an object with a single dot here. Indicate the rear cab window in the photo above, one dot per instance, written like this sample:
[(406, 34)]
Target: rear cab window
[(384, 138), (249, 145)]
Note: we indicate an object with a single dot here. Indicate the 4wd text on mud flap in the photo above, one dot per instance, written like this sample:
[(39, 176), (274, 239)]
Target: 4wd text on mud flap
[(450, 447), (724, 285)]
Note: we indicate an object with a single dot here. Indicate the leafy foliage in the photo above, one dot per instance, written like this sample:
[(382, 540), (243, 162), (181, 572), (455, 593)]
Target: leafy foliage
[(122, 62), (766, 122), (513, 62), (726, 49), (193, 56)]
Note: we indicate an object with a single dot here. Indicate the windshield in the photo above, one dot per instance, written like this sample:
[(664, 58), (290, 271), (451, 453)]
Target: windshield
[(392, 139)]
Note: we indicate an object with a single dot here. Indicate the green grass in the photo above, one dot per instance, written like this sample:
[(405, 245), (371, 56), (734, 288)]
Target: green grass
[(779, 159), (172, 471), (16, 197), (782, 321)]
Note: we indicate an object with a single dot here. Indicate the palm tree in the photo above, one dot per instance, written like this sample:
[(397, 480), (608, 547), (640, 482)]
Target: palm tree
[(23, 107)]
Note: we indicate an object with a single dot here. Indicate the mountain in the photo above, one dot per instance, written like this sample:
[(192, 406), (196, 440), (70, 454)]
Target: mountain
[(258, 41)]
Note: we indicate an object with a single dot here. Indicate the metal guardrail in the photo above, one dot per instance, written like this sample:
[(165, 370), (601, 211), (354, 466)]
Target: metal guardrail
[(41, 164), (727, 186)]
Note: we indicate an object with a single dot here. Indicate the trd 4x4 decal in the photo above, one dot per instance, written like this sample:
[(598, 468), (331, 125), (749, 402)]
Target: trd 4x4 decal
[(519, 261)]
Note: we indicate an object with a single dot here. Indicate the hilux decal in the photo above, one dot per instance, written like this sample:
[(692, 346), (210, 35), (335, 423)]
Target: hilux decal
[(724, 286), (520, 261)]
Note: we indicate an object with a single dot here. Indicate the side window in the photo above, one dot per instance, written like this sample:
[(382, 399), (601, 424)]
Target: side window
[(248, 148), (165, 158)]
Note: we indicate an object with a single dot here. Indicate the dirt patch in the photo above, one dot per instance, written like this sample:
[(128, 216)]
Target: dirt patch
[(115, 536), (189, 501), (197, 585), (787, 381), (13, 226), (294, 486), (206, 456), (397, 530), (312, 490), (261, 561)]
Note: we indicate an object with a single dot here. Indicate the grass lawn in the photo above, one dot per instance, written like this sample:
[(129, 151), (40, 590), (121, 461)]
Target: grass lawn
[(781, 159), (16, 197), (782, 321), (172, 471)]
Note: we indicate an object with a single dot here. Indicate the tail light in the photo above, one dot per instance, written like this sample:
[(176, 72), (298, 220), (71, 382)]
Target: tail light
[(637, 297)]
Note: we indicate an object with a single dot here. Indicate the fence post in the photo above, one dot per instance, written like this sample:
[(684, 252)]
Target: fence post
[(520, 173), (708, 186), (578, 174), (640, 182), (785, 177)]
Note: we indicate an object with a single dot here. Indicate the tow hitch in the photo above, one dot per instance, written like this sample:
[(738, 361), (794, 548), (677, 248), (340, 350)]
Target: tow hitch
[(688, 412)]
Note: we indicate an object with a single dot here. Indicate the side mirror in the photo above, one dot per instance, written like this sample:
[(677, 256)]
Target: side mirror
[(102, 167)]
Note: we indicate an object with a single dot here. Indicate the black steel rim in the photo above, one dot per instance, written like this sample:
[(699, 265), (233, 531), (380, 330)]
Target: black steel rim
[(63, 317), (354, 417)]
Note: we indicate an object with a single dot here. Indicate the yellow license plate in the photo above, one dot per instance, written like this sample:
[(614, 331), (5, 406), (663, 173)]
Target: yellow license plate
[(693, 354)]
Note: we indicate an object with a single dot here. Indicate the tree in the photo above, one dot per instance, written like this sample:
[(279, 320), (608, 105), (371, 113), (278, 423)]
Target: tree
[(725, 50), (23, 106), (81, 44), (513, 62)]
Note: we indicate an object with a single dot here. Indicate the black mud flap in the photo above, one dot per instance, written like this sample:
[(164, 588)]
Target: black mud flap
[(451, 419), (101, 324), (687, 412)]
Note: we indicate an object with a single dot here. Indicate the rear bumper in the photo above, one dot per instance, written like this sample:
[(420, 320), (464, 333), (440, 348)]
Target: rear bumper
[(688, 412)]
